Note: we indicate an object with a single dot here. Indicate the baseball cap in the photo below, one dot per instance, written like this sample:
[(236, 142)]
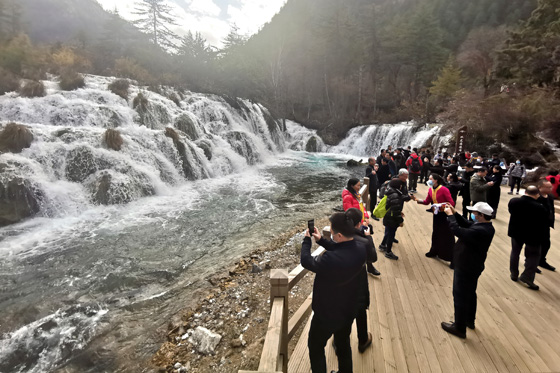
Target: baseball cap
[(482, 207)]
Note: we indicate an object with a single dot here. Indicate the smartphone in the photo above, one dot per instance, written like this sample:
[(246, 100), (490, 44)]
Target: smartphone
[(311, 226)]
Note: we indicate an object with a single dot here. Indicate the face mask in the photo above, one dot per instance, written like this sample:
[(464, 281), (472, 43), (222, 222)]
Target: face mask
[(430, 183), (473, 216), (518, 162)]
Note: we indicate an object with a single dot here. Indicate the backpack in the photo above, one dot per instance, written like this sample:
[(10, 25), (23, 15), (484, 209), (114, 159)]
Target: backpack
[(383, 189), (380, 210), (415, 165)]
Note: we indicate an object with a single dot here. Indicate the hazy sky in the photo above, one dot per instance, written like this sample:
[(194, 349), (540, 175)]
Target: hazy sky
[(212, 18)]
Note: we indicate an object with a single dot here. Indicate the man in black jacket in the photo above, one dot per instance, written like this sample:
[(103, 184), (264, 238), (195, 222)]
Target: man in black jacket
[(466, 191), (527, 226), (547, 200), (371, 173), (469, 256), (383, 173), (397, 195), (336, 290)]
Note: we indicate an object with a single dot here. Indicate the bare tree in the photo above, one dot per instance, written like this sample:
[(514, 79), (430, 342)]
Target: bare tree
[(155, 20)]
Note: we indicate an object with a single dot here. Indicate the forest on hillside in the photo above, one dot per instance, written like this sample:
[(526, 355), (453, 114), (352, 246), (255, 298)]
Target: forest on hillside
[(492, 65)]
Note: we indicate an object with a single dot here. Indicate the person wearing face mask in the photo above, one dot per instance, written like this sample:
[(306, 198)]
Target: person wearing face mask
[(527, 226), (442, 237), (470, 251), (479, 187), (516, 173), (494, 192), (340, 278)]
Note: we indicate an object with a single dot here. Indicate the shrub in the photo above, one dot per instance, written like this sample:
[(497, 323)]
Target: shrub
[(8, 82), (33, 88), (140, 102), (120, 88), (14, 138), (129, 68), (71, 80), (113, 139)]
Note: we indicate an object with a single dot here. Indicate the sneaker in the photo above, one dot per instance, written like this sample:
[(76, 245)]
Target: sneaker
[(363, 347), (372, 270), (429, 254), (470, 325), (513, 278), (395, 240), (391, 256), (545, 265), (531, 285), (451, 328), (538, 271), (510, 192), (382, 248), (516, 192)]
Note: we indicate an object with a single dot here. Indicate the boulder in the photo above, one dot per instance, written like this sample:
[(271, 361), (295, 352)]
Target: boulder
[(204, 340), (19, 199), (81, 162), (185, 124), (14, 138), (110, 187), (243, 145), (311, 145)]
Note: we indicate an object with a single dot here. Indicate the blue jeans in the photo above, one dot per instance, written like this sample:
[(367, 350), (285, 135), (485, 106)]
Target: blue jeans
[(388, 238)]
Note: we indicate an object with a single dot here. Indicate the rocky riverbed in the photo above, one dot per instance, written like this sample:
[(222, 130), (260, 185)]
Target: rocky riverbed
[(226, 330)]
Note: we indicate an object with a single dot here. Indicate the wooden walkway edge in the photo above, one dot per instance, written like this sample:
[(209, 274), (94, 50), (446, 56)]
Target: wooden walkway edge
[(517, 329)]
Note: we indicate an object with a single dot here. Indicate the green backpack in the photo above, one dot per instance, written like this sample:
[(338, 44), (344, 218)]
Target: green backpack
[(381, 208)]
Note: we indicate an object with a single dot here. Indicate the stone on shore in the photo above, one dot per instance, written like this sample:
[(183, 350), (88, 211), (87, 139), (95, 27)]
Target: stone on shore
[(204, 340)]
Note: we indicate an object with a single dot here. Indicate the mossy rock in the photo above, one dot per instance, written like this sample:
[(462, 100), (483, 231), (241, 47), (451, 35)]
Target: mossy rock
[(81, 162)]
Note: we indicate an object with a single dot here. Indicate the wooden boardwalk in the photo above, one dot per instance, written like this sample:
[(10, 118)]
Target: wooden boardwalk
[(517, 329)]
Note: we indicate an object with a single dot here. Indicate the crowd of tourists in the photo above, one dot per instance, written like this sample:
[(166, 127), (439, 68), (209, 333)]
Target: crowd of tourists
[(461, 238)]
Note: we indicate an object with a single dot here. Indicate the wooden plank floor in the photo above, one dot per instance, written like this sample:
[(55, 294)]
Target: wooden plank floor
[(517, 329)]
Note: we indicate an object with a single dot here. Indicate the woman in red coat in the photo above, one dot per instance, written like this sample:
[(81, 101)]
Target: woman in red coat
[(351, 198), (443, 239)]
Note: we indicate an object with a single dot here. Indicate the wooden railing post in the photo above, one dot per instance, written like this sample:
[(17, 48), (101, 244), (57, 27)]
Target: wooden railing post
[(366, 201), (279, 288)]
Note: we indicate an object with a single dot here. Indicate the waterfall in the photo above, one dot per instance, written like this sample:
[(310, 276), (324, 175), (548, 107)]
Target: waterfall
[(304, 139), (69, 168), (367, 141)]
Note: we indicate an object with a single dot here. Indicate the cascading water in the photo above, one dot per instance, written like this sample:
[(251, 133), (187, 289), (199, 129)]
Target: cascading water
[(122, 239), (215, 138), (367, 141)]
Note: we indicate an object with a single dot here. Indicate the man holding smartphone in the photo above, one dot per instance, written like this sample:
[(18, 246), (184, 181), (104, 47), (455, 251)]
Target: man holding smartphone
[(471, 249), (336, 290)]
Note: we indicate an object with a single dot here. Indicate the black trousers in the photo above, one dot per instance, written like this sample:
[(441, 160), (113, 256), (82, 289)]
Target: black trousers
[(464, 297), (319, 333), (424, 175), (466, 203), (412, 181), (388, 238), (515, 181), (545, 246), (532, 258), (373, 200), (361, 326)]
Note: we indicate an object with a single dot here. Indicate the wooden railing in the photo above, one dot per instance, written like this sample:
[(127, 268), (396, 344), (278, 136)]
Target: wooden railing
[(274, 356)]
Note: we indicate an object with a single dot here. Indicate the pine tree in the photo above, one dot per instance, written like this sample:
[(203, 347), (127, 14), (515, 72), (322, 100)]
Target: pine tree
[(531, 55), (448, 82), (155, 20)]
